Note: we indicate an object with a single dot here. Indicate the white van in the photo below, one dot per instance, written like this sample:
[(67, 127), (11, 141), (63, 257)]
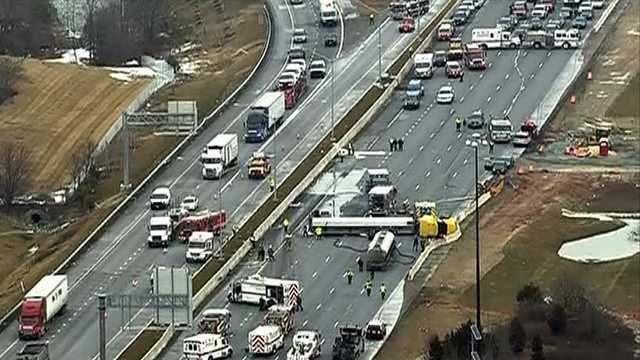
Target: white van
[(566, 39), (423, 65), (160, 198), (328, 13), (206, 346), (200, 246)]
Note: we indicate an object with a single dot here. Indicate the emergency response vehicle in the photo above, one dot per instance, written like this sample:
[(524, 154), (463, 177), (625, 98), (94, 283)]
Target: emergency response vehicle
[(265, 340), (206, 346), (263, 291), (306, 345), (259, 166), (215, 321)]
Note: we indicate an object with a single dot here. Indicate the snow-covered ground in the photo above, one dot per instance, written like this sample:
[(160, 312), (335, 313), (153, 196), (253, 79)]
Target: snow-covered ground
[(127, 73), (614, 245), (72, 57)]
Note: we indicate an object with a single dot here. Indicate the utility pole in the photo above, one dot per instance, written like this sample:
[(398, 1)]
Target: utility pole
[(380, 53), (333, 73), (125, 154), (102, 310), (477, 244)]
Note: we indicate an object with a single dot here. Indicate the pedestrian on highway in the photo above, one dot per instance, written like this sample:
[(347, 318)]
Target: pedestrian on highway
[(272, 183), (360, 264), (270, 253), (252, 239), (349, 276), (285, 225), (372, 274), (341, 156), (351, 152), (416, 243), (367, 287), (491, 147), (371, 19), (299, 303), (392, 143), (318, 232), (458, 124), (401, 144), (261, 253), (383, 291), (461, 76)]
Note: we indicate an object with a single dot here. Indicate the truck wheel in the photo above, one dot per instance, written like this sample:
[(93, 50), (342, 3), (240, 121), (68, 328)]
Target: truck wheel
[(565, 45), (536, 46)]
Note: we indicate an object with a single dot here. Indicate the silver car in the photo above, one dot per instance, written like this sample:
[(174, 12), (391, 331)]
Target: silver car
[(299, 36), (521, 138), (445, 95)]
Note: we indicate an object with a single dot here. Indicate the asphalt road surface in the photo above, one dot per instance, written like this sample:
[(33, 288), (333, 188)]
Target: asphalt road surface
[(436, 165), (119, 262)]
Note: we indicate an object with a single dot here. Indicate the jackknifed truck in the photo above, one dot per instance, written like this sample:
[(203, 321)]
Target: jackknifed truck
[(264, 116), (41, 304)]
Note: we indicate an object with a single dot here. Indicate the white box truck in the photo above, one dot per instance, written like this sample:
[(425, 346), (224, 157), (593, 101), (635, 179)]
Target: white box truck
[(160, 231), (206, 346), (423, 65), (328, 13), (219, 156), (42, 303), (264, 116)]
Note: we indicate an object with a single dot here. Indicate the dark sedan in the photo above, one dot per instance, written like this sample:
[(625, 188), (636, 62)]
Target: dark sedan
[(476, 120), (411, 102), (439, 58), (331, 40)]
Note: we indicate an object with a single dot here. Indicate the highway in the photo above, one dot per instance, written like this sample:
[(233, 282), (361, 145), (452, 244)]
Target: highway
[(435, 165), (120, 262)]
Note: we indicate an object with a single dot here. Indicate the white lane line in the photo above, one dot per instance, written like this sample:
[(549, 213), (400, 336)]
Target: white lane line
[(395, 118), (305, 323), (427, 174), (332, 290), (319, 306), (417, 187), (314, 275), (327, 259), (336, 324)]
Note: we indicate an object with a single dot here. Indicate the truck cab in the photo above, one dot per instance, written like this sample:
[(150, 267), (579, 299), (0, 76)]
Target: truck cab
[(381, 200), (160, 231), (501, 130), (199, 247), (259, 166), (46, 299), (220, 154), (423, 65)]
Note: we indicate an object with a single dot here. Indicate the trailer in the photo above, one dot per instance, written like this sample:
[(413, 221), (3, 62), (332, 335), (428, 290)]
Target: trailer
[(380, 250), (209, 221), (220, 155), (264, 291), (47, 298), (367, 225), (264, 116), (381, 200), (306, 345)]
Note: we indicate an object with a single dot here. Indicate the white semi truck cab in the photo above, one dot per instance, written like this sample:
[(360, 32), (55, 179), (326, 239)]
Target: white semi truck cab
[(160, 231), (220, 154)]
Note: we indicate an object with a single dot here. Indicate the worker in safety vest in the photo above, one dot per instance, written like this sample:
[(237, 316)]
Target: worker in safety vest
[(367, 287), (383, 291), (285, 225), (318, 232), (458, 124), (272, 183), (349, 276)]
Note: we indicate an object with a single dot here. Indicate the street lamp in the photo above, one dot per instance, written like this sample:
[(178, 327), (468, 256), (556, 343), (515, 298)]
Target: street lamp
[(475, 141)]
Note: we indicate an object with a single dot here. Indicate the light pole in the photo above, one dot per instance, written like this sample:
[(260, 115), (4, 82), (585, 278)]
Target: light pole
[(332, 98), (474, 142)]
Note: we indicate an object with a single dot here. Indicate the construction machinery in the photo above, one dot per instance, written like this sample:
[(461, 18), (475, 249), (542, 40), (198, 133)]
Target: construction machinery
[(259, 166), (349, 343), (430, 224)]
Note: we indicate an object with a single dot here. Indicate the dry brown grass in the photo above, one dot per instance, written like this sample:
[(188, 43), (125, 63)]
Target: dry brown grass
[(58, 107)]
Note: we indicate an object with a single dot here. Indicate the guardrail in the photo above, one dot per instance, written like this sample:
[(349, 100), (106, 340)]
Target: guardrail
[(98, 230)]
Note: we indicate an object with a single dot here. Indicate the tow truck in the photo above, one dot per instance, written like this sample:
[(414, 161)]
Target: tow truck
[(259, 166), (456, 49), (306, 345)]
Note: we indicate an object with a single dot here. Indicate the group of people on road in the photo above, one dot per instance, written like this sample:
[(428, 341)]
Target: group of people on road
[(368, 285), (396, 144)]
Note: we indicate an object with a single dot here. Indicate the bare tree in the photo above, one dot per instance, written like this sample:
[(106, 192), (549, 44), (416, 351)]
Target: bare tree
[(570, 295), (81, 164), (15, 170), (27, 27), (10, 71)]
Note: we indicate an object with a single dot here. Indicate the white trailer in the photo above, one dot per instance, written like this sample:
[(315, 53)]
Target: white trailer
[(380, 250), (328, 13), (494, 38), (220, 154), (264, 291), (265, 340), (42, 303), (357, 225), (206, 346), (200, 246), (264, 115)]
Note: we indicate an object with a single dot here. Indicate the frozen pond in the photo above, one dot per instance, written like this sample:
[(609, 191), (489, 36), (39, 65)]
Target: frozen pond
[(614, 245)]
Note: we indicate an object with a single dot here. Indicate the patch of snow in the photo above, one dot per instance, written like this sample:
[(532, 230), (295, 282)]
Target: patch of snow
[(633, 32), (132, 63), (191, 67), (33, 249), (71, 56), (129, 73), (121, 77), (185, 48), (614, 245)]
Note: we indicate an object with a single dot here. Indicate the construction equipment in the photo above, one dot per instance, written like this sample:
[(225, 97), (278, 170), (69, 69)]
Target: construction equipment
[(215, 321), (349, 343), (305, 346), (259, 166), (430, 224)]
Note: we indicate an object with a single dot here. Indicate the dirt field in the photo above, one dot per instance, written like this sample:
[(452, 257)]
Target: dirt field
[(58, 107)]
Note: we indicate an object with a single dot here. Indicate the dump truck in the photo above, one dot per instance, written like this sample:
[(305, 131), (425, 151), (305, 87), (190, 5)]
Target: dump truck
[(259, 166), (380, 250), (349, 343), (220, 155), (46, 299), (264, 116)]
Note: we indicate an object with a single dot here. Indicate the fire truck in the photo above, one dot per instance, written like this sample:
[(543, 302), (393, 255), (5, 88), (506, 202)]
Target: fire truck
[(209, 221), (215, 321), (305, 346), (476, 57), (265, 292)]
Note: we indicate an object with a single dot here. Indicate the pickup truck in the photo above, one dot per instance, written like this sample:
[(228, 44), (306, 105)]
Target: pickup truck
[(499, 164)]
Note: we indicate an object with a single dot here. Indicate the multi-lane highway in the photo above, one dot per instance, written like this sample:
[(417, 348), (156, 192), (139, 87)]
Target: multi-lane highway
[(435, 165), (119, 261)]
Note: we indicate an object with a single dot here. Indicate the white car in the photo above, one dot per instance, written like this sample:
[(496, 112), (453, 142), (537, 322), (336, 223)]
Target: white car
[(299, 36), (585, 5), (301, 62), (597, 4), (445, 95), (189, 203), (318, 69)]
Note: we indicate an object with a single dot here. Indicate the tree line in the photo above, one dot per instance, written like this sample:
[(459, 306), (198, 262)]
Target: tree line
[(27, 27)]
